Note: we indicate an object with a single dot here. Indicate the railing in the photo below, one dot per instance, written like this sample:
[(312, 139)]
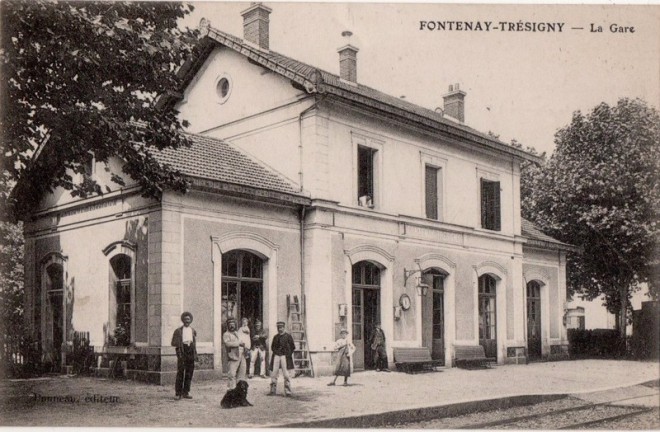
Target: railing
[(19, 356)]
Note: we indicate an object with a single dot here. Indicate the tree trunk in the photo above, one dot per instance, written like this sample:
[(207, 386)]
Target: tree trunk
[(623, 313)]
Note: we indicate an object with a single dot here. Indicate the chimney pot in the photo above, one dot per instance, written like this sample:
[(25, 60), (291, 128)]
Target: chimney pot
[(255, 25), (454, 103)]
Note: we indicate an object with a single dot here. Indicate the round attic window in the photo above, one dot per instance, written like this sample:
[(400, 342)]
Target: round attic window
[(223, 88)]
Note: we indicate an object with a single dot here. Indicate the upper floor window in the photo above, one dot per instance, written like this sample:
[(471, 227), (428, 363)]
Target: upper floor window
[(490, 205), (365, 174), (432, 191)]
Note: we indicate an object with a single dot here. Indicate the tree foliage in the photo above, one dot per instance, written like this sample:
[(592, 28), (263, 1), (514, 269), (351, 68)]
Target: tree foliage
[(11, 273), (599, 191), (86, 78)]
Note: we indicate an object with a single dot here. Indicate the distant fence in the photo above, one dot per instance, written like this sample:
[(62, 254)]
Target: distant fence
[(21, 356)]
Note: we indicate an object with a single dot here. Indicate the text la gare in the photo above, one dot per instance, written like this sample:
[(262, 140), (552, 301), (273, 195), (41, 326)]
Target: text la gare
[(614, 28)]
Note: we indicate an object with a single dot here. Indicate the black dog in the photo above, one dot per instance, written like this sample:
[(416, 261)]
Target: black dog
[(236, 397)]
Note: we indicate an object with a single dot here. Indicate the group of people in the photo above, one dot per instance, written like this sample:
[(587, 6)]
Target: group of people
[(244, 345)]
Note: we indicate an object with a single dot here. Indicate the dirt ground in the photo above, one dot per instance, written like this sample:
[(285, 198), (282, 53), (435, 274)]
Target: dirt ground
[(84, 401)]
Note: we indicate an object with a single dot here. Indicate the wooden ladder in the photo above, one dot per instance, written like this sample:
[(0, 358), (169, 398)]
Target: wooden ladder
[(302, 361)]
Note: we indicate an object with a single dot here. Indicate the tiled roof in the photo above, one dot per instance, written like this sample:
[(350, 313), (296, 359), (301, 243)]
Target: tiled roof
[(213, 159), (317, 80), (531, 232)]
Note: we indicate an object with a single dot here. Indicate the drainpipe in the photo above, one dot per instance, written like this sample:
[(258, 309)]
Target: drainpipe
[(302, 256)]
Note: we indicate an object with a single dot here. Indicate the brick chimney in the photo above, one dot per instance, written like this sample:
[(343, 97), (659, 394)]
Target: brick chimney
[(455, 103), (255, 24), (348, 60)]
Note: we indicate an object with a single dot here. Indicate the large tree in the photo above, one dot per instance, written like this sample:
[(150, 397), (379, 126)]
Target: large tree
[(84, 78), (600, 191)]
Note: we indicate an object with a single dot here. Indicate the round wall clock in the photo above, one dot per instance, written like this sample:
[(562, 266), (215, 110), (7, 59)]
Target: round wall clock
[(404, 301)]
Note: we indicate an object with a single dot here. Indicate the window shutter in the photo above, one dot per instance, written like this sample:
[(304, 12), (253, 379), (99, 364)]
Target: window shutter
[(497, 221), (490, 205), (484, 203), (431, 189)]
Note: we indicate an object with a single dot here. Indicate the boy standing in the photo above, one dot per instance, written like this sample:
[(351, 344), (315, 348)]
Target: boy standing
[(259, 341)]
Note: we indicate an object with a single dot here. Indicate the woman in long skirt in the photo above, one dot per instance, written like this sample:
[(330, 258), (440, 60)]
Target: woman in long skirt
[(345, 349)]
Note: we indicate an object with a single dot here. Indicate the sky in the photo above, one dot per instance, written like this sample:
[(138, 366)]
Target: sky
[(521, 85)]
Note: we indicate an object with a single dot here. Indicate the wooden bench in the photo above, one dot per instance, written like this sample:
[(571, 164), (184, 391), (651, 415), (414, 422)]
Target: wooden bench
[(470, 356), (413, 359)]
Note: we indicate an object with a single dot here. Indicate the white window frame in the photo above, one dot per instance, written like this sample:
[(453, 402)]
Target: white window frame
[(378, 146), (111, 251), (222, 99)]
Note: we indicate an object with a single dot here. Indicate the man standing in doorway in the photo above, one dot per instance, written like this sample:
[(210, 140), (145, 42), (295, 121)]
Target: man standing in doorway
[(379, 349), (235, 354), (184, 340), (259, 341), (281, 358)]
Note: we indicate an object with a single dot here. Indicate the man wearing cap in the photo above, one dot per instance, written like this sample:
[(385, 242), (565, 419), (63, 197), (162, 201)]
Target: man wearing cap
[(259, 341), (235, 353), (281, 350), (184, 340), (378, 349)]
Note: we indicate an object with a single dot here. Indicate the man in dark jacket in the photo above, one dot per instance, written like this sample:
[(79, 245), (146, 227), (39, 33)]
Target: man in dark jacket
[(379, 349), (281, 358), (184, 340)]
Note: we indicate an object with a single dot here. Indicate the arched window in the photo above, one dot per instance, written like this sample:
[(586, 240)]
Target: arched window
[(121, 299), (242, 286), (55, 331)]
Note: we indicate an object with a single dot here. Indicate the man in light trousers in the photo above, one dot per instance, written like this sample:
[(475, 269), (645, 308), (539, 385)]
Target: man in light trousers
[(281, 358)]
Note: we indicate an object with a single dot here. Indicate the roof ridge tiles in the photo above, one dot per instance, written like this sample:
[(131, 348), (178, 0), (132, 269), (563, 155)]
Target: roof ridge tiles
[(330, 79)]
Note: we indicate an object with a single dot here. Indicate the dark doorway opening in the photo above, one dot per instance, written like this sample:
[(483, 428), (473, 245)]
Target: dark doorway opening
[(433, 314), (534, 320), (488, 315), (242, 290), (366, 311)]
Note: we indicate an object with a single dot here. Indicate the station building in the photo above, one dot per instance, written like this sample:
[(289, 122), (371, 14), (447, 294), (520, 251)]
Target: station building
[(307, 184)]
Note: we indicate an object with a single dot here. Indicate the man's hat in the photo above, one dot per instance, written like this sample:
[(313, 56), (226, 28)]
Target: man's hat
[(342, 331), (257, 322), (280, 324), (231, 319), (183, 315)]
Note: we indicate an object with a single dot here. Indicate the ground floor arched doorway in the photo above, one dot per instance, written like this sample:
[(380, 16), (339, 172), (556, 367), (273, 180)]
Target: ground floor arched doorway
[(534, 340), (242, 290), (366, 311), (433, 314), (488, 314)]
